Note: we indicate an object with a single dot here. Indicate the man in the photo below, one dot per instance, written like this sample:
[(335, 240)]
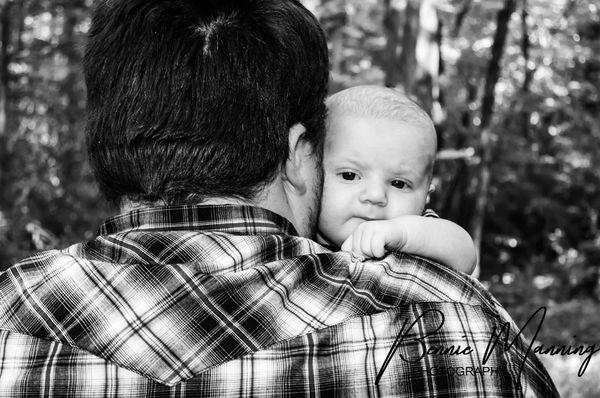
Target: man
[(205, 125)]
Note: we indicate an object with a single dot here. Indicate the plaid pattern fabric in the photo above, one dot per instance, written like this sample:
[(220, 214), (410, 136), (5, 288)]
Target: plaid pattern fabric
[(430, 213), (215, 301)]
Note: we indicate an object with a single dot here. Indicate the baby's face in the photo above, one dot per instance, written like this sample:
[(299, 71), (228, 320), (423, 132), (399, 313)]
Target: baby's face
[(374, 169)]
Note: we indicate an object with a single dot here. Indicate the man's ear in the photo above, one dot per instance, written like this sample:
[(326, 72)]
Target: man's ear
[(295, 170)]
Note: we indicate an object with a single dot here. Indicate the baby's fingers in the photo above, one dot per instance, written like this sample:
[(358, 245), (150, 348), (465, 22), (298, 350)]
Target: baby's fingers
[(378, 245), (353, 243), (357, 237), (366, 241), (372, 242), (347, 245)]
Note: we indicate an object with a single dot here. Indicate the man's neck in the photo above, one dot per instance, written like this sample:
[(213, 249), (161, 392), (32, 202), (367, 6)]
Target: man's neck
[(228, 201), (272, 198), (128, 205)]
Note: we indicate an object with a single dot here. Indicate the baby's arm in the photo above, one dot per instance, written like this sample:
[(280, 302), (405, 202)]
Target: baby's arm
[(435, 238)]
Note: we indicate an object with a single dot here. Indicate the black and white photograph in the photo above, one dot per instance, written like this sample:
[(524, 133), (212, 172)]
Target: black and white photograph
[(321, 198)]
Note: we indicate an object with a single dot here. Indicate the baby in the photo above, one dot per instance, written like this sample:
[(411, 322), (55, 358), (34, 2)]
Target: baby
[(378, 162)]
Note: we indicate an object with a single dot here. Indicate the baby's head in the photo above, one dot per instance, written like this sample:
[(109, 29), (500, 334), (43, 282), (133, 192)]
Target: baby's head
[(378, 159)]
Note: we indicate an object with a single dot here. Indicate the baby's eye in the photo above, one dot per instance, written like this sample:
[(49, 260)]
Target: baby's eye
[(399, 184), (349, 176)]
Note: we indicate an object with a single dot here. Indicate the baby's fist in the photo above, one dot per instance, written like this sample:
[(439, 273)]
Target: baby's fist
[(371, 238)]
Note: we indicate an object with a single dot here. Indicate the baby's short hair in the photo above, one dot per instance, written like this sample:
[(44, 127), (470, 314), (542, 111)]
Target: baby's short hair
[(378, 102), (381, 103)]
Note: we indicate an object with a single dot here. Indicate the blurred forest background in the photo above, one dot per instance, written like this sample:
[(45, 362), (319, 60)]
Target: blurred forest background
[(512, 85)]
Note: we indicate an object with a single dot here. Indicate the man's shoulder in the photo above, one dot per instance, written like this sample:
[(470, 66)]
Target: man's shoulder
[(38, 263), (407, 279), (303, 294)]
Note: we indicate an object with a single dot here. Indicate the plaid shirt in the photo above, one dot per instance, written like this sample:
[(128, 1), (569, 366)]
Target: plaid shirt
[(430, 213), (215, 301)]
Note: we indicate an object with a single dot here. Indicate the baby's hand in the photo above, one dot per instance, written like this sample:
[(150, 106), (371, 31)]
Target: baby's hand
[(372, 238)]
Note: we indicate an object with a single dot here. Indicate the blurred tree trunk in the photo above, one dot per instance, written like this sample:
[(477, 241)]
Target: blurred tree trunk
[(529, 71), (413, 57), (5, 54), (400, 52), (460, 16), (391, 28), (486, 144), (407, 66), (22, 13), (337, 43), (454, 202), (438, 110), (428, 57), (5, 36), (525, 45), (5, 57)]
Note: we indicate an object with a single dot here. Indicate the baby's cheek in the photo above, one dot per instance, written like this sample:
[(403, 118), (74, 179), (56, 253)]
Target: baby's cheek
[(328, 216), (329, 199), (331, 224), (403, 205)]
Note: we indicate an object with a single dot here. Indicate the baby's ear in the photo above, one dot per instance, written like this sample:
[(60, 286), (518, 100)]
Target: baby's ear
[(429, 192)]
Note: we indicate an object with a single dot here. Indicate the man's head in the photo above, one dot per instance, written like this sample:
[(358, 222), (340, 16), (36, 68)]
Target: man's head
[(378, 159), (190, 100)]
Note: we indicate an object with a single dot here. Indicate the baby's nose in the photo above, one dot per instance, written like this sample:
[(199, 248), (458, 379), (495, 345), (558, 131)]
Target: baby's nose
[(374, 194)]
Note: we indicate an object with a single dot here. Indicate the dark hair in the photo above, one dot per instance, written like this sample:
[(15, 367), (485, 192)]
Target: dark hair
[(189, 99)]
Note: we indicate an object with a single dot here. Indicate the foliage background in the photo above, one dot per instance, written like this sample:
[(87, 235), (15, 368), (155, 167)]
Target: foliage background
[(514, 88)]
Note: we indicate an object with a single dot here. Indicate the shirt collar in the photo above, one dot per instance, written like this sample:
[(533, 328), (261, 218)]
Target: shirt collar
[(235, 219)]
